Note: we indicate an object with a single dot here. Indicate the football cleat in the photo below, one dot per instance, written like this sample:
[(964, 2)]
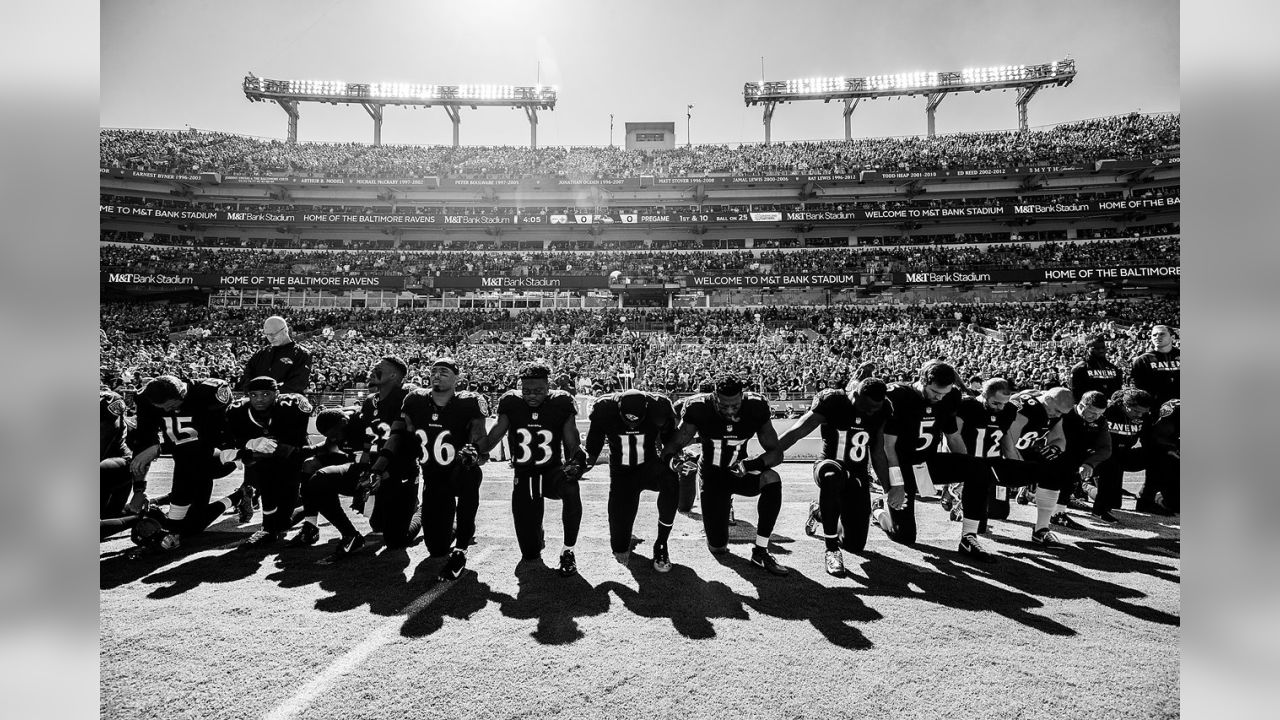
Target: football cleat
[(957, 511), (1106, 517), (661, 559), (1046, 537), (568, 564), (814, 523), (1064, 520), (454, 566), (307, 535), (246, 504), (762, 557), (972, 548), (718, 550), (347, 546), (1025, 496), (262, 538), (948, 498), (835, 563)]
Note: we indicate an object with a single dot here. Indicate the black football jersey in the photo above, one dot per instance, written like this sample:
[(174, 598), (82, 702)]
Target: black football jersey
[(983, 429), (1030, 405), (111, 426), (917, 424), (536, 435), (441, 431), (375, 421), (630, 447), (724, 442), (286, 423), (847, 433), (1124, 432), (198, 422)]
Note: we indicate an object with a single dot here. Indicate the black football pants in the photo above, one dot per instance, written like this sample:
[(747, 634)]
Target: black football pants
[(719, 486), (625, 486), (944, 469), (531, 486), (844, 503), (449, 493), (396, 510), (277, 481)]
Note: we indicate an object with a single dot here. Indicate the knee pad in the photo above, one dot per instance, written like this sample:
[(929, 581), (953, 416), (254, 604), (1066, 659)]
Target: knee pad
[(829, 474)]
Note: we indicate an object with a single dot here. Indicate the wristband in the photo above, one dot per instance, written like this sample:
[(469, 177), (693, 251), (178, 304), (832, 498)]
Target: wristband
[(895, 477)]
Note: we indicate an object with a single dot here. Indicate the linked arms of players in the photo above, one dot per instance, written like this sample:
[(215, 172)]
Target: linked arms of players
[(771, 456)]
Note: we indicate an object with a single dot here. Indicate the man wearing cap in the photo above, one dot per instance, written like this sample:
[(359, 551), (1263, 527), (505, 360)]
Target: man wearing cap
[(267, 431), (539, 423), (447, 424), (288, 363), (187, 420), (635, 424), (726, 419)]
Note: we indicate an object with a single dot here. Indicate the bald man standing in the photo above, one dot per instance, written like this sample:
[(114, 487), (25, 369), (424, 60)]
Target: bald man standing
[(284, 360)]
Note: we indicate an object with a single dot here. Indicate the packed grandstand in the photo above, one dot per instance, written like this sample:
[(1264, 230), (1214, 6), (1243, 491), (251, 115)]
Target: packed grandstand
[(791, 264)]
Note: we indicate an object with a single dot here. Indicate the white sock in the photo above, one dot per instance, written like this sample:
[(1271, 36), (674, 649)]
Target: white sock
[(762, 541), (177, 512), (968, 527), (1046, 500), (1059, 508)]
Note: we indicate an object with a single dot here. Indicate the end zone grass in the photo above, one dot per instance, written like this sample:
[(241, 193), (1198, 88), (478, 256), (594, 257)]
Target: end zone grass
[(911, 632)]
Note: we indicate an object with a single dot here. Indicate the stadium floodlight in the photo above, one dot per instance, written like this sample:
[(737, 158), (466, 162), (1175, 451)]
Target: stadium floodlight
[(934, 85), (376, 96)]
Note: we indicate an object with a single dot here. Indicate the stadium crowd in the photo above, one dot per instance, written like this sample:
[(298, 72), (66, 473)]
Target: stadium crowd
[(795, 350), (659, 264), (1118, 137)]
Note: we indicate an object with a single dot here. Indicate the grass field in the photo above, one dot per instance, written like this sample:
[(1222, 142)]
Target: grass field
[(1089, 631)]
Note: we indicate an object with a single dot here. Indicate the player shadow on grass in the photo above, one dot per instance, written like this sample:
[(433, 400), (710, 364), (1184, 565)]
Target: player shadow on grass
[(952, 585), (556, 602), (231, 566), (132, 563), (831, 610), (462, 599), (1050, 575), (679, 595), (372, 576)]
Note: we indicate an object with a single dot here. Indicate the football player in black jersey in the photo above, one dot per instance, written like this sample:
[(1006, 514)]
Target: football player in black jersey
[(687, 469), (635, 425), (115, 480), (981, 421), (1165, 455), (1032, 452), (923, 415), (267, 431), (339, 446), (187, 420), (726, 420), (447, 423), (539, 424), (851, 423), (385, 473)]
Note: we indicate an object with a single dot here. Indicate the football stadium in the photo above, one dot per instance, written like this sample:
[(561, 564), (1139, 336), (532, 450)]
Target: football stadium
[(831, 424)]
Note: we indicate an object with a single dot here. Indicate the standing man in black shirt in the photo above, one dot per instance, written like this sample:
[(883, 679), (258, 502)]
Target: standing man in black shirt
[(286, 362), (1095, 371)]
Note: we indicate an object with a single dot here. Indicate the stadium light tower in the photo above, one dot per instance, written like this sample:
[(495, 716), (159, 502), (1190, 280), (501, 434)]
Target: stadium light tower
[(373, 97), (1026, 79)]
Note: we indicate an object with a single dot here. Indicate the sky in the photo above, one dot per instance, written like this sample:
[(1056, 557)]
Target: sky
[(170, 64)]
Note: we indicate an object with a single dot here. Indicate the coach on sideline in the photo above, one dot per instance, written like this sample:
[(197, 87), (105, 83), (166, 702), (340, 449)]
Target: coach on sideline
[(284, 360)]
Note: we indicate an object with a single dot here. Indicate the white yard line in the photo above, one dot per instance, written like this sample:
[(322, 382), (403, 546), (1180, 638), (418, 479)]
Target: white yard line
[(384, 634)]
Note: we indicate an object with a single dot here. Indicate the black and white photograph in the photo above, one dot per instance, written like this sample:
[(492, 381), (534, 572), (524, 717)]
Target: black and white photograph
[(671, 360)]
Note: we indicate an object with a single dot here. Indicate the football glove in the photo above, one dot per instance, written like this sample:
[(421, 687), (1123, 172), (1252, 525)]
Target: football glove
[(469, 456), (1050, 452), (1086, 472), (263, 445), (227, 456)]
